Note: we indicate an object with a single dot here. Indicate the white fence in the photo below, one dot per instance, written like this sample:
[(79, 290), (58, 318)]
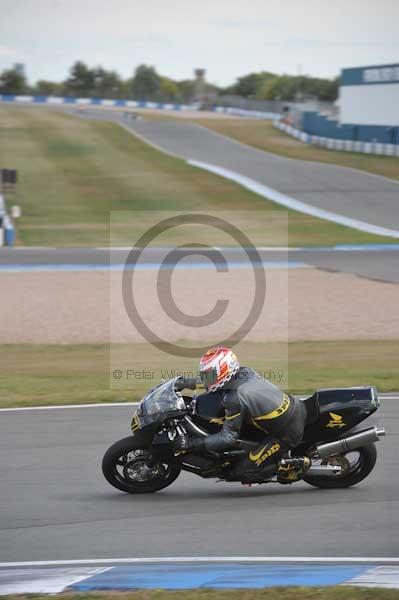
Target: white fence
[(344, 145), (55, 100)]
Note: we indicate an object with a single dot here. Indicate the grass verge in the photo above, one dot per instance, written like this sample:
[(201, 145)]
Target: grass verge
[(73, 173), (33, 375), (277, 593), (262, 135)]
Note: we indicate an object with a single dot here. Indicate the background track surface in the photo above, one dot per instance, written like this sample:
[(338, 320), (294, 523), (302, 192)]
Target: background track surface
[(344, 191), (56, 505), (382, 264), (349, 192)]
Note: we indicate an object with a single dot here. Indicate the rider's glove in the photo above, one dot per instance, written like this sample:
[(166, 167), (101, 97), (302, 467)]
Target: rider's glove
[(189, 383), (183, 444)]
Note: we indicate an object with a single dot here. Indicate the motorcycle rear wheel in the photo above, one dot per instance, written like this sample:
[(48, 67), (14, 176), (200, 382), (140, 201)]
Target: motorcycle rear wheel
[(125, 467), (358, 471)]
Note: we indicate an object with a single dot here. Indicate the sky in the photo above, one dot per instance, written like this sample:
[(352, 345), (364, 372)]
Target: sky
[(229, 38)]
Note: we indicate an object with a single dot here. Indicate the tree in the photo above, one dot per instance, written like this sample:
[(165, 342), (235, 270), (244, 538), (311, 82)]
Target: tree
[(12, 81), (127, 88), (270, 86), (169, 91), (278, 88), (80, 81), (146, 83), (248, 86), (107, 84), (48, 88), (328, 89), (186, 89)]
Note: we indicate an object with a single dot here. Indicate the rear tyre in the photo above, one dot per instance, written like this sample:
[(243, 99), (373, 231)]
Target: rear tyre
[(360, 464), (126, 466)]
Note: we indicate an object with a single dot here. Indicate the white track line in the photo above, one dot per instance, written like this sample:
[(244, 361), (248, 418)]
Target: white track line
[(284, 200), (208, 559), (112, 404)]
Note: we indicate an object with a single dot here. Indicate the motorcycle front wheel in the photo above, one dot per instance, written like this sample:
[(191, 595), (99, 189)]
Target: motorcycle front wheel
[(131, 469), (356, 465)]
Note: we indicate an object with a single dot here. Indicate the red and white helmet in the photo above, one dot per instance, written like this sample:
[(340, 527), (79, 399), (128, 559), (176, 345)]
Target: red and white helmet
[(217, 366)]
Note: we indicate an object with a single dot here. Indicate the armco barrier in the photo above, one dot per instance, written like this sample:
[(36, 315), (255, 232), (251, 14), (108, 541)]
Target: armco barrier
[(335, 144), (54, 100)]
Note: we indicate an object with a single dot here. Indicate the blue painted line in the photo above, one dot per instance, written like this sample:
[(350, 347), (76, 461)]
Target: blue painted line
[(222, 575), (340, 247), (347, 248), (374, 247), (181, 266)]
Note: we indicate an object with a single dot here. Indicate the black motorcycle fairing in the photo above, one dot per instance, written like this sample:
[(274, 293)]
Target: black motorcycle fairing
[(340, 410), (208, 411), (162, 402)]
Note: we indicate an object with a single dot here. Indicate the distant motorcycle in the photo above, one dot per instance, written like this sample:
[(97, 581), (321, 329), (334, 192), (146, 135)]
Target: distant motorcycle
[(342, 453)]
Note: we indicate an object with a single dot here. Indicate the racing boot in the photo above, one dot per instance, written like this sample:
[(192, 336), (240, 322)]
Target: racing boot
[(292, 469), (247, 476)]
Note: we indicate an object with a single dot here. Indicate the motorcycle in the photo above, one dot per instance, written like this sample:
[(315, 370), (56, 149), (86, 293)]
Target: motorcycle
[(342, 453)]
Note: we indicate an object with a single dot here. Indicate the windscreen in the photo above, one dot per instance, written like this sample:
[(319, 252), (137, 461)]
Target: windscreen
[(162, 399)]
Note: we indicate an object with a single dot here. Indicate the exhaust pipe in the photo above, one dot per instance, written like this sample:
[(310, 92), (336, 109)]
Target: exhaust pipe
[(352, 442)]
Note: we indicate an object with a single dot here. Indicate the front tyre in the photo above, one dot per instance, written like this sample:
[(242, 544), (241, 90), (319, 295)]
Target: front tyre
[(356, 465), (133, 470)]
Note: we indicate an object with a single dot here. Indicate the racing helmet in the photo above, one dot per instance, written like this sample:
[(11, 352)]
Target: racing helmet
[(217, 366)]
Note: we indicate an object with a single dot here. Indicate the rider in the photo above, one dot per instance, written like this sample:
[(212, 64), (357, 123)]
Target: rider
[(252, 401)]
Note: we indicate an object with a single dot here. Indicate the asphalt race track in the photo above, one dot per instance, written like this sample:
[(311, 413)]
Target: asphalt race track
[(55, 504), (348, 192), (380, 264)]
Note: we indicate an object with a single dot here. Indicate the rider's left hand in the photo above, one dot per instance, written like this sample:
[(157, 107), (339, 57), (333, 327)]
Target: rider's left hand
[(183, 444)]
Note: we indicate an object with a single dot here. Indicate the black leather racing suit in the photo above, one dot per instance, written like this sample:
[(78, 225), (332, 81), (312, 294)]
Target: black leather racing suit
[(249, 400)]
